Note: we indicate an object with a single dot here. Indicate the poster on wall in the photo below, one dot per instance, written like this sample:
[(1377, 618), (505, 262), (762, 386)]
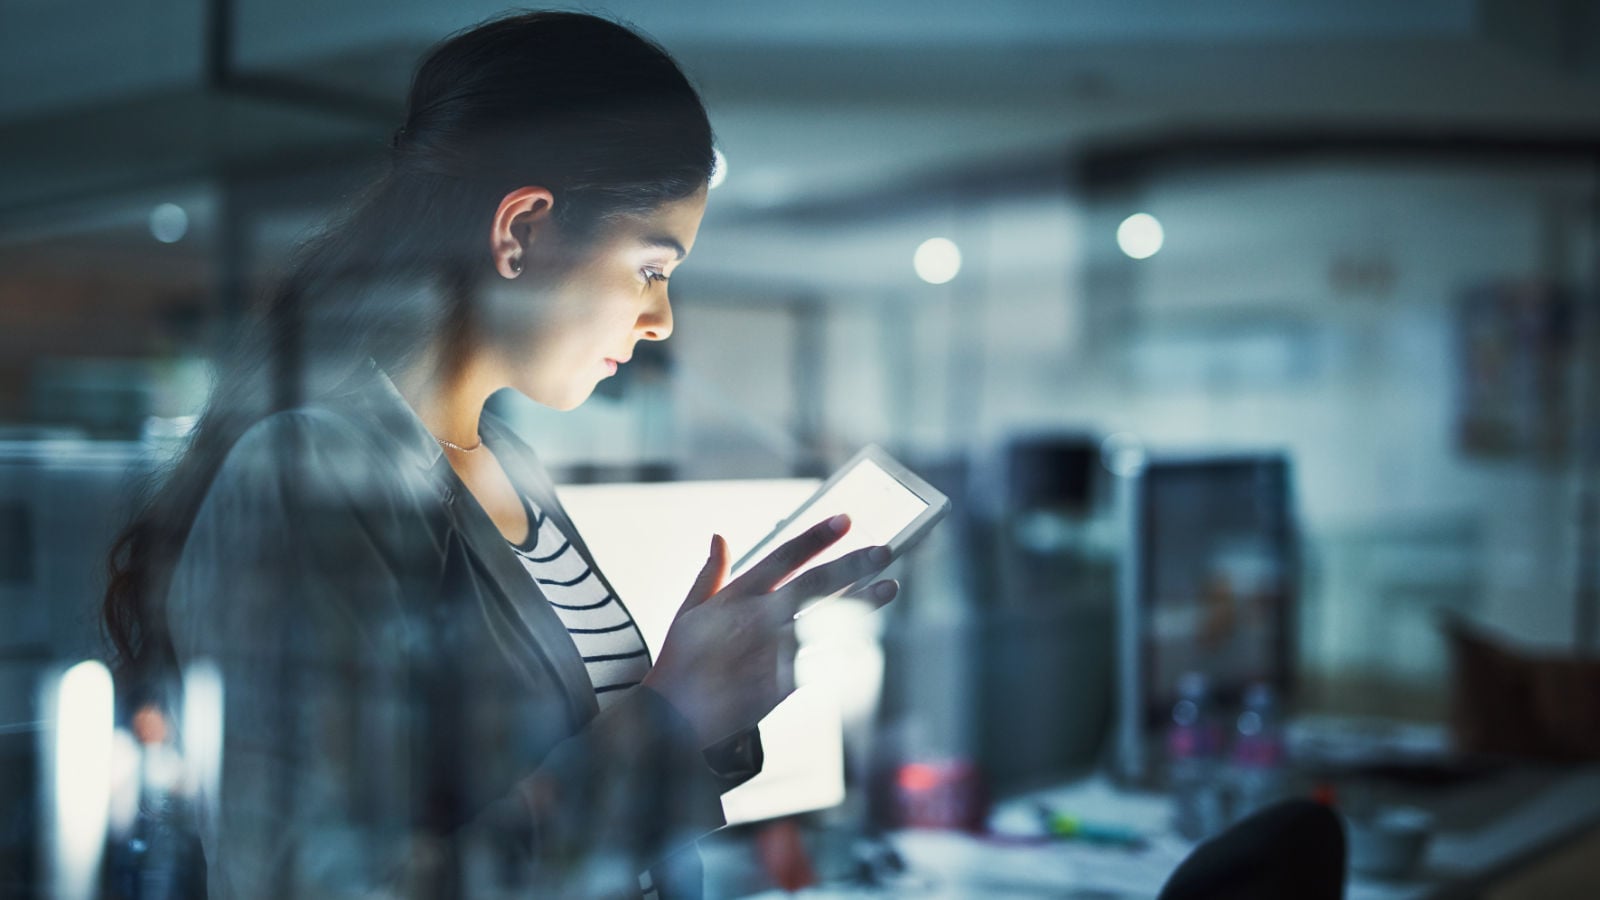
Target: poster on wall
[(1515, 344)]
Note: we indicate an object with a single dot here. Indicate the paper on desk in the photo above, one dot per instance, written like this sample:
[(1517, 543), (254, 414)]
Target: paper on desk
[(1093, 799), (1059, 868)]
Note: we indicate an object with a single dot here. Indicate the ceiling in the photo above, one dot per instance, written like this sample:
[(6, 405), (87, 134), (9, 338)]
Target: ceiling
[(838, 105)]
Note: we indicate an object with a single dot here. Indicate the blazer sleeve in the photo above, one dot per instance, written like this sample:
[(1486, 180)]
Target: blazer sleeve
[(361, 754)]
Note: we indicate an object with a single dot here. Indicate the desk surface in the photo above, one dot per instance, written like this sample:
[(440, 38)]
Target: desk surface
[(1484, 831)]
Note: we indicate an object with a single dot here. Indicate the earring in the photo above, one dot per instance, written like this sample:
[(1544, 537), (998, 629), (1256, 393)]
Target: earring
[(516, 265)]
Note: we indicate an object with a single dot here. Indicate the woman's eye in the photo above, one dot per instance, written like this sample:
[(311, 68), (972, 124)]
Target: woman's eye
[(653, 275)]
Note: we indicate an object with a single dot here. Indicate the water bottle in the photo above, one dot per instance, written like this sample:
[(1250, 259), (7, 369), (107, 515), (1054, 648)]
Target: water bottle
[(1257, 757), (1192, 760)]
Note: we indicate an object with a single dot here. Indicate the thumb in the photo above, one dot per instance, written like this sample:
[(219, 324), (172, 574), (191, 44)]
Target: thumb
[(711, 576)]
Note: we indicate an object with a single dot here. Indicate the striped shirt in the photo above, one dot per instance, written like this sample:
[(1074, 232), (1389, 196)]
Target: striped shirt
[(612, 648)]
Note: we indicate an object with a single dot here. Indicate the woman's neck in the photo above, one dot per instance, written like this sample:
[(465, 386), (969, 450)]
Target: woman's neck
[(449, 399)]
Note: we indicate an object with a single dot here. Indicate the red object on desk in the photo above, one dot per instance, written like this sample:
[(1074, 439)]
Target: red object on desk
[(948, 794), (782, 850), (1325, 794)]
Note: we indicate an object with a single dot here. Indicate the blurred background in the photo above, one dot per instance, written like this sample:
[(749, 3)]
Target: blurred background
[(1254, 342)]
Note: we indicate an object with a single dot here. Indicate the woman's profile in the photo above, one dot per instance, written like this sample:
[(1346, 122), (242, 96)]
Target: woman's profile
[(430, 688)]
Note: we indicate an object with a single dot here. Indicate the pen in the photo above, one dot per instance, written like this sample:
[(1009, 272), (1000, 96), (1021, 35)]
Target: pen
[(1061, 825)]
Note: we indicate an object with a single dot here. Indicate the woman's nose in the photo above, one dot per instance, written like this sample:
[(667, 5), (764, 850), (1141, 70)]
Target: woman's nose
[(656, 323)]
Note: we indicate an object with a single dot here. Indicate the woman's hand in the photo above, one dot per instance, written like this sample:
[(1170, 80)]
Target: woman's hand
[(728, 658)]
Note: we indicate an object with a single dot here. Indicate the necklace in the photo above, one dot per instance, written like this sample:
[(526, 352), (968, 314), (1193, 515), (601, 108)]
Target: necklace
[(454, 446)]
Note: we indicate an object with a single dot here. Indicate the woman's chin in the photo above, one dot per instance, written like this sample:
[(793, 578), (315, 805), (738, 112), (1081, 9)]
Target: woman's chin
[(558, 400), (571, 402)]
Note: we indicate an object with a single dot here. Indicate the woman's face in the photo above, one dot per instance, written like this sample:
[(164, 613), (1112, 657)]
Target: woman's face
[(585, 323)]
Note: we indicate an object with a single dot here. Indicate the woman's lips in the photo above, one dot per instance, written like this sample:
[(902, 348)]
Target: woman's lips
[(611, 366)]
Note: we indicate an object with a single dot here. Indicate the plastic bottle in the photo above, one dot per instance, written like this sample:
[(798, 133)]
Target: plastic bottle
[(1257, 758), (1192, 760)]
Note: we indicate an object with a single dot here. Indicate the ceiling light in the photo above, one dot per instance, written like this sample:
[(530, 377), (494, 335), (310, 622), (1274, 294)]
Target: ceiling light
[(719, 168), (937, 260), (1140, 236), (169, 223)]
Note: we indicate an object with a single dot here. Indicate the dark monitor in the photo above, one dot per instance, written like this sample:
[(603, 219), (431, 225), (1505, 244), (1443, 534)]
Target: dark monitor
[(19, 808), (1215, 552), (1052, 471)]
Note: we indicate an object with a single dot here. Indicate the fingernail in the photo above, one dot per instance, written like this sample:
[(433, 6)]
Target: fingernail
[(839, 523), (878, 555), (885, 590)]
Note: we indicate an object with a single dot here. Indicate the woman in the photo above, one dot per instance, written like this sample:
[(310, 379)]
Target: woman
[(430, 689)]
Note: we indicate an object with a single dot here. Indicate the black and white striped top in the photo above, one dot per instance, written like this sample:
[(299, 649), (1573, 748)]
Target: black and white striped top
[(613, 650)]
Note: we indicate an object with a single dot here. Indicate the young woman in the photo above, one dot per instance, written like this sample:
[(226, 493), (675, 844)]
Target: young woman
[(429, 687)]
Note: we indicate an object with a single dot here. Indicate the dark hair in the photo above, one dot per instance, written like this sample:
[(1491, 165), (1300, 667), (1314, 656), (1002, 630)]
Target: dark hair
[(587, 108)]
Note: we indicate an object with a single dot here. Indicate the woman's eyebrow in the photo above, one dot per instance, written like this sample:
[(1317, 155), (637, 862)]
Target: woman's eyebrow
[(665, 242)]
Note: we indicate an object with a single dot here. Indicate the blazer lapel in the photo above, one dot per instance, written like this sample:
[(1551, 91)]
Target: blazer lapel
[(517, 593), (527, 473)]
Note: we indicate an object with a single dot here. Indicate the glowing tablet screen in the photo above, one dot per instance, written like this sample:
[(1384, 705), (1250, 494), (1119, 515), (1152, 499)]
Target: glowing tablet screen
[(879, 507)]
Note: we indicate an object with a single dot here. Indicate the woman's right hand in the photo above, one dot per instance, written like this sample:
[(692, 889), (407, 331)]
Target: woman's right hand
[(728, 658)]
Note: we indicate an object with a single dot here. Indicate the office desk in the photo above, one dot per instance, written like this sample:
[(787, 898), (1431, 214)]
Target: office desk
[(1488, 833)]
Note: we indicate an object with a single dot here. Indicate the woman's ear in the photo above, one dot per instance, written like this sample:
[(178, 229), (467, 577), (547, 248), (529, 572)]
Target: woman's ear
[(523, 216)]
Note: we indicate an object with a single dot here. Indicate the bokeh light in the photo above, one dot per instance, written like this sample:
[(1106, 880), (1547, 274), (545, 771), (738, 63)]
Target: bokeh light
[(719, 169), (937, 260), (169, 223), (1140, 236)]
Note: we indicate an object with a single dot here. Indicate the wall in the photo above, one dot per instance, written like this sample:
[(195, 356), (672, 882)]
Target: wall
[(1312, 309)]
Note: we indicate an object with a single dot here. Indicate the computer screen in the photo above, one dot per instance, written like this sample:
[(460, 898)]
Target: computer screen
[(1217, 575)]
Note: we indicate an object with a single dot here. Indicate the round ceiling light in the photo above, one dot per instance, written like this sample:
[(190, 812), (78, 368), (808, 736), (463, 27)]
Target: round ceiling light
[(937, 260)]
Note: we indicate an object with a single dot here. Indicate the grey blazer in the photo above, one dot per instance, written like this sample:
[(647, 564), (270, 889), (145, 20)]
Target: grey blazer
[(404, 714)]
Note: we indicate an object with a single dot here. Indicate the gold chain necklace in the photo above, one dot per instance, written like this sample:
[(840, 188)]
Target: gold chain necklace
[(455, 446)]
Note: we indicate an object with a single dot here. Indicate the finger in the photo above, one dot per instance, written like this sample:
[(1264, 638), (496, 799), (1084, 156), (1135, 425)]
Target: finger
[(879, 593), (711, 576), (830, 578), (778, 564), (876, 595), (788, 652)]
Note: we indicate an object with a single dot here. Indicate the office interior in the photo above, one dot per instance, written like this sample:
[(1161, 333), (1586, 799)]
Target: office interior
[(1250, 340)]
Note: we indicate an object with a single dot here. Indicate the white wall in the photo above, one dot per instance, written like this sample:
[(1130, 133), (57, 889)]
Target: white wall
[(1237, 335), (1360, 387)]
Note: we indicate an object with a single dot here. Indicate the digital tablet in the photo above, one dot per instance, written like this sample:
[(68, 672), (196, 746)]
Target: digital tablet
[(886, 502)]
